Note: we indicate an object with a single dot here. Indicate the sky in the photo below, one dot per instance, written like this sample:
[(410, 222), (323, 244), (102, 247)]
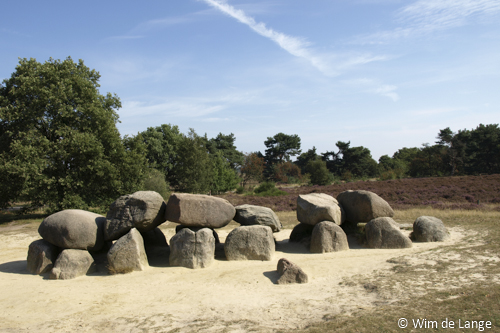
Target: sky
[(383, 74)]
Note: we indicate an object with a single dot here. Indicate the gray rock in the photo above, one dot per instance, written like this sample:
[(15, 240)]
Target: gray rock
[(196, 210), (70, 264), (257, 215), (192, 249), (128, 254), (143, 210), (290, 273), (363, 206), (302, 233), (74, 229), (41, 256), (384, 233), (317, 207), (195, 229), (253, 242), (429, 229), (328, 237)]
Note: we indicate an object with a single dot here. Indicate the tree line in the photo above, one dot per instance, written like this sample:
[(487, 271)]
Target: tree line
[(60, 148)]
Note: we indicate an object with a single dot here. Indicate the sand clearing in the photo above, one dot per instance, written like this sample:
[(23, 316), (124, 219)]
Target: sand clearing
[(228, 296)]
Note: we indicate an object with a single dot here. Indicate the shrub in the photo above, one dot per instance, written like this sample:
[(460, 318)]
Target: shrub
[(268, 189), (155, 181), (318, 172)]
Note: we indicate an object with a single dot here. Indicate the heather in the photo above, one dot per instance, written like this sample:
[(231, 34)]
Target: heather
[(458, 193)]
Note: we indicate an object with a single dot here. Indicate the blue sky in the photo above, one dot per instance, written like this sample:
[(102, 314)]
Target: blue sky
[(383, 74)]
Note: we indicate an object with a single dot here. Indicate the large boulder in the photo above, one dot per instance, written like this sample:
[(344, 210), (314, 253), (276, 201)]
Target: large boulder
[(41, 256), (384, 233), (71, 263), (290, 272), (74, 229), (197, 210), (301, 233), (328, 237), (128, 254), (363, 206), (429, 229), (143, 210), (257, 215), (253, 242), (317, 207), (192, 249)]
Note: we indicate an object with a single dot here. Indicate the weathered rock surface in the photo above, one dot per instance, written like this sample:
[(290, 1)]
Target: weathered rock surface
[(253, 242), (317, 207), (195, 229), (363, 206), (429, 229), (196, 210), (257, 215), (290, 273), (74, 229), (128, 254), (328, 237), (70, 264), (384, 233), (41, 256), (302, 233), (143, 210), (192, 249)]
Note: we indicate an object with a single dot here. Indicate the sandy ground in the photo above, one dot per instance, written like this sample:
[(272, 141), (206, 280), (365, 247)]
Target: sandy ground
[(227, 296)]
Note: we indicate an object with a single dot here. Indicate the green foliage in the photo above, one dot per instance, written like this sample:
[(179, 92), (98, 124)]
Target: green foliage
[(225, 145), (192, 166), (162, 143), (58, 138), (155, 181), (351, 162), (240, 190), (223, 177), (268, 189), (318, 172), (279, 149), (305, 158)]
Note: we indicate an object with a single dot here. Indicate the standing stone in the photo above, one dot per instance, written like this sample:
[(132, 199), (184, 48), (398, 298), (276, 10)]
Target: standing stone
[(317, 207), (257, 215), (41, 256), (195, 229), (290, 273), (429, 229), (74, 229), (143, 210), (384, 233), (70, 264), (254, 242), (328, 237), (363, 206), (196, 210), (192, 249), (128, 254)]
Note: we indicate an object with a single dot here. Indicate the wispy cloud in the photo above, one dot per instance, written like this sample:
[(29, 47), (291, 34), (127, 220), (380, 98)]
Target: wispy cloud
[(425, 16), (296, 46), (375, 87)]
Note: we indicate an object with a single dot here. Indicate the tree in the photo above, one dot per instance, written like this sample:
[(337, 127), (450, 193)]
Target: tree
[(253, 168), (286, 172), (304, 159), (225, 144), (483, 150), (223, 176), (192, 166), (318, 172), (352, 161), (58, 138), (280, 147), (162, 143)]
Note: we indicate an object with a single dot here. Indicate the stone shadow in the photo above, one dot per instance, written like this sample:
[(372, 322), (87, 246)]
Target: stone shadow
[(273, 276), (15, 267)]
